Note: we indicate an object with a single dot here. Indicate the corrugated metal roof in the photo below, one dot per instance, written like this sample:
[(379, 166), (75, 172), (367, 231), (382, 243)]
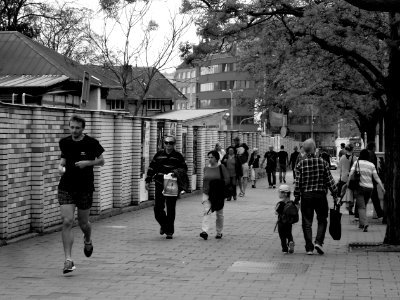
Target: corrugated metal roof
[(189, 114), (30, 80), (21, 55)]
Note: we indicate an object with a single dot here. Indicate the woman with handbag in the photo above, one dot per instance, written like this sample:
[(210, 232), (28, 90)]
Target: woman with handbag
[(215, 181), (364, 172)]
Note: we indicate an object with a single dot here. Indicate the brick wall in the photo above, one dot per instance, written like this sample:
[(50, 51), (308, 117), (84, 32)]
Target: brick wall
[(29, 156)]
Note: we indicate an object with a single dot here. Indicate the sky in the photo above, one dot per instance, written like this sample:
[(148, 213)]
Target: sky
[(160, 11)]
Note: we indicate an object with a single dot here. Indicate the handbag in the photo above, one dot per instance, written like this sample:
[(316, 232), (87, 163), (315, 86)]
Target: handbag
[(354, 180), (170, 186), (335, 226)]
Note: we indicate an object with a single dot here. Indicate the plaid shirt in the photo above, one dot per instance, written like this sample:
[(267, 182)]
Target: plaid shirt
[(313, 175)]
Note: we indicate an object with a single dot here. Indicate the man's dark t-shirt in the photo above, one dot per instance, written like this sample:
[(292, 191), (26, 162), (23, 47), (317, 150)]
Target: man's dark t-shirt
[(76, 179), (271, 157), (283, 156), (293, 158)]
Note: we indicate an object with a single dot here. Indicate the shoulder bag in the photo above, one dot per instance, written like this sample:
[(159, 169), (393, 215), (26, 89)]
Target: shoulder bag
[(354, 180)]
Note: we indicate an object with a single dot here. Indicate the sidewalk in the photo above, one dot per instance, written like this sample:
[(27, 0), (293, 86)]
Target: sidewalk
[(132, 261)]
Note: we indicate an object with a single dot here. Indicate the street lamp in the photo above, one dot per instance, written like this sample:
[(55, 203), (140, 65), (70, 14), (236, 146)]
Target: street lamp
[(231, 108), (249, 118)]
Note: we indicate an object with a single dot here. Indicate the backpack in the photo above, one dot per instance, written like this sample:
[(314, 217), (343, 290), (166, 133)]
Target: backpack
[(290, 213)]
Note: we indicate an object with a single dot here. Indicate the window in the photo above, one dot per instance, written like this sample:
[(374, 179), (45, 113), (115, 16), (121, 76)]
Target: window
[(115, 104), (153, 104), (215, 103), (205, 87)]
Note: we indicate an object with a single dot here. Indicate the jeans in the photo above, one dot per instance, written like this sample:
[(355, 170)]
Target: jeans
[(232, 187), (285, 234), (282, 173), (310, 202), (271, 174), (165, 219), (219, 223), (362, 195)]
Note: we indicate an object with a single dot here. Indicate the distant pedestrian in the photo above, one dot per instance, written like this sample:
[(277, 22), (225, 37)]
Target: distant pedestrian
[(301, 156), (363, 192), (79, 154), (271, 157), (215, 181), (293, 159), (242, 152), (344, 167), (313, 178), (232, 163), (284, 227), (342, 150), (283, 159), (325, 156), (220, 151), (254, 164), (371, 147), (166, 161)]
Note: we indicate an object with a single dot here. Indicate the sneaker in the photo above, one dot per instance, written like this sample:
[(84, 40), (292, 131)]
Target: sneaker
[(88, 248), (253, 186), (309, 252), (365, 229), (169, 236), (68, 266), (204, 235), (291, 247), (274, 186), (218, 236), (162, 231), (285, 251), (270, 187), (284, 180), (319, 249)]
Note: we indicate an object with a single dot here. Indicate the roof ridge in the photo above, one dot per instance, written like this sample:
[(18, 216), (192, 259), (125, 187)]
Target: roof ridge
[(35, 45)]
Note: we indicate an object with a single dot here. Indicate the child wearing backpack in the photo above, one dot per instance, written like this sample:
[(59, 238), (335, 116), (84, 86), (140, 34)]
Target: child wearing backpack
[(288, 214)]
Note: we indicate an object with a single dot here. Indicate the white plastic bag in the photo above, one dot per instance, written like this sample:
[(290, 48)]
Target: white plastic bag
[(170, 186)]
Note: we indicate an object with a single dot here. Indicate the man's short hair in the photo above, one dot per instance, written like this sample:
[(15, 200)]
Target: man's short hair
[(349, 147), (309, 146), (282, 147), (170, 136), (342, 145), (79, 119), (237, 139), (214, 153)]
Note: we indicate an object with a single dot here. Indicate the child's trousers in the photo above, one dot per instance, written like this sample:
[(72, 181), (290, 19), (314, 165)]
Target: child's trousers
[(285, 234)]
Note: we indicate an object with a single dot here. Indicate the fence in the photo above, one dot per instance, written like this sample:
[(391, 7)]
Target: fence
[(29, 156)]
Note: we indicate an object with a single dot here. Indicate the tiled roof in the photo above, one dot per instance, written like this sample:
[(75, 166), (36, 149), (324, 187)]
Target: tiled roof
[(189, 114), (160, 88), (21, 55), (30, 80)]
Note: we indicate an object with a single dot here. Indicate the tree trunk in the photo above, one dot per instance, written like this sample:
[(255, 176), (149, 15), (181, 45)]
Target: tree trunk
[(392, 140)]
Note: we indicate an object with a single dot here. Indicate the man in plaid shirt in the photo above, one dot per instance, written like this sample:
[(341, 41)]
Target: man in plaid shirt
[(313, 178)]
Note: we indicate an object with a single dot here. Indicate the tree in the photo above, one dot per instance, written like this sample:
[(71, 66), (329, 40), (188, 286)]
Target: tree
[(20, 15), (372, 52), (137, 45), (66, 31), (392, 128)]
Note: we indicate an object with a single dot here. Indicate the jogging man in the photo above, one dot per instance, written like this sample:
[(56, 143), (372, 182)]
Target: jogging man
[(79, 154)]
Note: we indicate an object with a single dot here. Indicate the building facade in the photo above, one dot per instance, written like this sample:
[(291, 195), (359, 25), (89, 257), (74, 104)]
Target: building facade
[(185, 80)]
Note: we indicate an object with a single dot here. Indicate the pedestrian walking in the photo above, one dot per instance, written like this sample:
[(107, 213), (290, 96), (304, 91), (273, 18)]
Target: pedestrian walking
[(292, 161), (313, 178), (79, 154), (283, 159), (234, 167), (374, 196), (284, 226), (242, 152), (363, 192), (301, 156), (271, 157), (215, 182), (342, 150), (344, 166), (254, 165), (220, 151), (166, 161)]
